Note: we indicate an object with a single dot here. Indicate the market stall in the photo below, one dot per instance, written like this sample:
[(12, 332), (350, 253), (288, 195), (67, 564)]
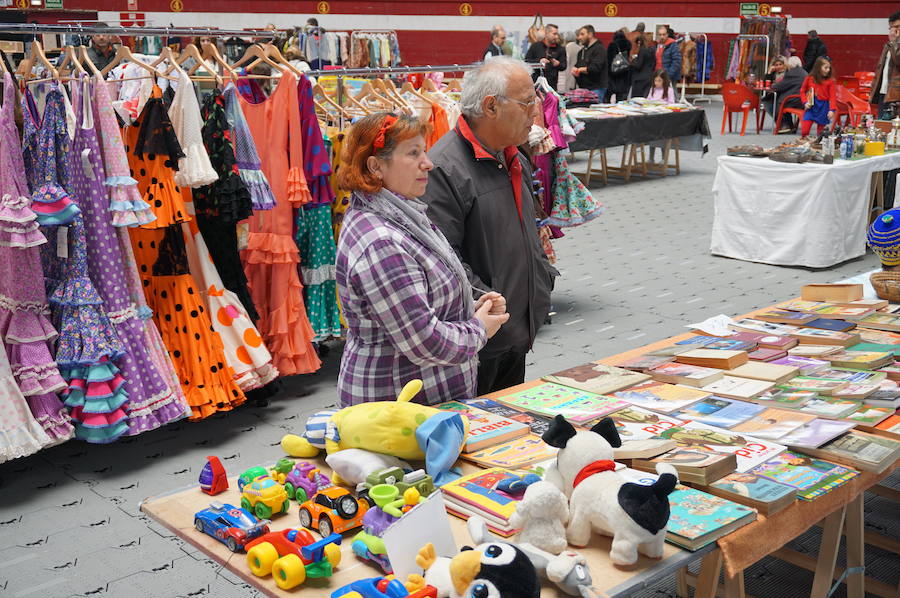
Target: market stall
[(812, 215)]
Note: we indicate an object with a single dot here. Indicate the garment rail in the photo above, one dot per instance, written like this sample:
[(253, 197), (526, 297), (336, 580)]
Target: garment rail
[(30, 28), (365, 34), (759, 36), (702, 97)]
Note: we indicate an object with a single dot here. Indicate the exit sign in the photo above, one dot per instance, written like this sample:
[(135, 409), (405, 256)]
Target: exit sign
[(749, 8), (53, 3)]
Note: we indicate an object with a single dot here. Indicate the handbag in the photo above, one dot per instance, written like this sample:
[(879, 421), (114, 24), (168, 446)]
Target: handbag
[(536, 31), (619, 64)]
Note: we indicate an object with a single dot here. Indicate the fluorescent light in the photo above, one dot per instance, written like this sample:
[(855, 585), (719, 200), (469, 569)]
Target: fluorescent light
[(776, 10)]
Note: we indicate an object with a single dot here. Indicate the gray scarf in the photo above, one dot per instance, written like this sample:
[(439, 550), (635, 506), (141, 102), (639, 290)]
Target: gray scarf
[(409, 215)]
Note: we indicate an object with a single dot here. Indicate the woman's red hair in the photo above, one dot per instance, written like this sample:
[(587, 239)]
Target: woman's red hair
[(354, 173)]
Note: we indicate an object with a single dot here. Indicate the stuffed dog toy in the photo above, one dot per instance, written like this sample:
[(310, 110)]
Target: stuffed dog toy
[(542, 515), (600, 500)]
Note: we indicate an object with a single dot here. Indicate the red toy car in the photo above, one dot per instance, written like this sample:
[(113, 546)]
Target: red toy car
[(292, 556)]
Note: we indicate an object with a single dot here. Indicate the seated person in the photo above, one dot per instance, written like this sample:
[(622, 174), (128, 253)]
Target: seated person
[(788, 85)]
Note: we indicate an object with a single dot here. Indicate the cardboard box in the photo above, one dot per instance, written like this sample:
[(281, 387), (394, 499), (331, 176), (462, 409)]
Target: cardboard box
[(831, 292)]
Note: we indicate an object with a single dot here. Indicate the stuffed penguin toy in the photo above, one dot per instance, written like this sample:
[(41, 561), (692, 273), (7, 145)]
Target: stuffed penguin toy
[(600, 500), (490, 570)]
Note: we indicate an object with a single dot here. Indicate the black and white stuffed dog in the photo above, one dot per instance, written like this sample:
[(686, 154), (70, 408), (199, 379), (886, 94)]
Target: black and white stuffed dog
[(600, 499)]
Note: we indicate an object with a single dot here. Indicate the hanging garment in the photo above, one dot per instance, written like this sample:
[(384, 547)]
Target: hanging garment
[(342, 197), (245, 153), (271, 257), (314, 235), (151, 401), (439, 124), (194, 168), (20, 433), (573, 204)]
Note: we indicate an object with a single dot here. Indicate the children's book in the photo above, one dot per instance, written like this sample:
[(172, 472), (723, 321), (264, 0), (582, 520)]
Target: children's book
[(749, 450), (815, 433), (479, 491), (754, 491), (738, 388), (830, 407), (597, 378), (773, 424), (682, 373), (538, 424), (811, 477), (575, 405), (817, 385), (635, 423), (870, 416), (694, 465), (807, 365), (719, 411), (698, 518), (485, 428), (785, 399), (660, 396), (861, 450), (513, 454)]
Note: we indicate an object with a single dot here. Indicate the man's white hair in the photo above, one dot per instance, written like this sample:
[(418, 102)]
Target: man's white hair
[(490, 79), (793, 62)]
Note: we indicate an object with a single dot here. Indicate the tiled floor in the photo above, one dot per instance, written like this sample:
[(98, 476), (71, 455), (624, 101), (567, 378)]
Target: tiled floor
[(69, 518)]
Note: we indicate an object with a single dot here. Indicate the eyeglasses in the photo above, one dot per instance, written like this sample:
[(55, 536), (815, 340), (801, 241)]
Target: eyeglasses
[(527, 105)]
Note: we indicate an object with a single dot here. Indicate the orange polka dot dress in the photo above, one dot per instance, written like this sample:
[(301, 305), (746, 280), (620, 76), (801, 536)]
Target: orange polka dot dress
[(196, 349)]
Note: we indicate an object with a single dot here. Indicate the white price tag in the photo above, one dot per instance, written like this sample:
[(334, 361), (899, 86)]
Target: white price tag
[(62, 242)]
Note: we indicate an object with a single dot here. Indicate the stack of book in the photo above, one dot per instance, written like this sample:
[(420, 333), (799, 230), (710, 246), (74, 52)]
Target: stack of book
[(478, 494)]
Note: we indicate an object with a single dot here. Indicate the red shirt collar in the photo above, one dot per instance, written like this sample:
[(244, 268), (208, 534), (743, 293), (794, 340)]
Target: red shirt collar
[(462, 127), (592, 468)]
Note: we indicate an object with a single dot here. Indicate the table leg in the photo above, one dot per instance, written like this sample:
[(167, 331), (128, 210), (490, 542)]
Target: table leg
[(588, 172), (682, 589), (855, 548), (734, 585), (828, 549), (665, 165), (604, 165), (708, 581)]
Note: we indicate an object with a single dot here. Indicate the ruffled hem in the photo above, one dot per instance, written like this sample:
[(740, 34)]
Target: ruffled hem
[(297, 190), (195, 169), (23, 441), (212, 399), (258, 186), (22, 327), (50, 414), (155, 413), (15, 305), (103, 434), (270, 248), (86, 337), (166, 203), (575, 219), (257, 378), (289, 335), (123, 315), (16, 209), (98, 388), (320, 275), (21, 234), (126, 205), (78, 290), (53, 206), (36, 380)]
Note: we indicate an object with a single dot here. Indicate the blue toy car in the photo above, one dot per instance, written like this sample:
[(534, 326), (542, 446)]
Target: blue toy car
[(230, 525)]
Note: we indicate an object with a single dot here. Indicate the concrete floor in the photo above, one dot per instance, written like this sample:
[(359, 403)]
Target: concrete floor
[(69, 517)]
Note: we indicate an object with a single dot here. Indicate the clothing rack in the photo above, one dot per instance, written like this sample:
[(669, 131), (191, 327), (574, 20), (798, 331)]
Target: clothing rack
[(34, 28), (356, 34), (758, 36), (702, 97)]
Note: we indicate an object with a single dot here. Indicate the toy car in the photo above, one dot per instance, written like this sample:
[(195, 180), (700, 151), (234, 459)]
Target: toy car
[(304, 480), (281, 469), (250, 475), (381, 587), (292, 556), (394, 476), (264, 496), (230, 525), (371, 548), (333, 510)]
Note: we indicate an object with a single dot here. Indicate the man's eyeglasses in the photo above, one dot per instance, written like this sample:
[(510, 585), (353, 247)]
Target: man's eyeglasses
[(526, 105)]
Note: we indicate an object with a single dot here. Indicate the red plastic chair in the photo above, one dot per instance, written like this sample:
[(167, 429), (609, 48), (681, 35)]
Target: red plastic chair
[(865, 79), (798, 112), (738, 98), (856, 107)]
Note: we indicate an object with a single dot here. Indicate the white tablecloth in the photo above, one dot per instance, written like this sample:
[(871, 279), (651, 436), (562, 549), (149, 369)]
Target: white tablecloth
[(812, 215)]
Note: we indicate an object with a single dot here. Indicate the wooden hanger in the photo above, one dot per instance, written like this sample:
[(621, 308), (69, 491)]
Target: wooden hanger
[(355, 104), (86, 59), (123, 53), (255, 55), (368, 91), (275, 54), (429, 85), (211, 52), (454, 85), (408, 87), (191, 51), (69, 57), (318, 91), (166, 54), (36, 53)]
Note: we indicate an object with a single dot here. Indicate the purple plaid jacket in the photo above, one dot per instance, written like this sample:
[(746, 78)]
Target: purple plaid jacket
[(404, 310)]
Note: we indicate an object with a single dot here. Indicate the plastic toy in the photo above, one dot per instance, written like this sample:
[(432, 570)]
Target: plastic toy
[(250, 475), (292, 556), (333, 510), (390, 507), (213, 479), (394, 476), (383, 587), (230, 525), (281, 469), (491, 570), (304, 480), (265, 497), (400, 428), (600, 500)]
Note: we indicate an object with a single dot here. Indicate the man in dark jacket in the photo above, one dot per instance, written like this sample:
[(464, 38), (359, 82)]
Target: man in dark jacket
[(886, 85), (590, 68), (668, 54), (788, 85), (102, 49), (498, 38), (550, 54), (815, 47), (479, 196)]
